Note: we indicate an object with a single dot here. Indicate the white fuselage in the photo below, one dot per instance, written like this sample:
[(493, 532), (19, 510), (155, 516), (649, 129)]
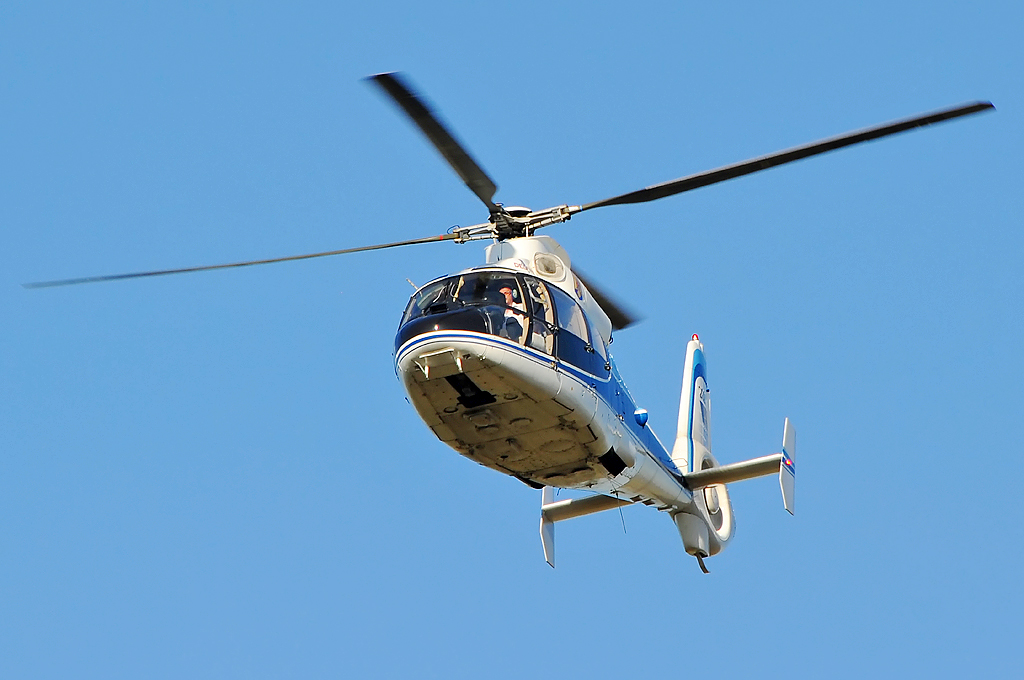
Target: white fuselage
[(549, 417)]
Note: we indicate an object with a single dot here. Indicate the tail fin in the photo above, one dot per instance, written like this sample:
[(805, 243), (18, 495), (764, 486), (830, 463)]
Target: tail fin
[(692, 452), (693, 434)]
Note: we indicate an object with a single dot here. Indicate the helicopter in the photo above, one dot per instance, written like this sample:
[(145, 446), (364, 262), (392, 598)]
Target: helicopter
[(509, 362)]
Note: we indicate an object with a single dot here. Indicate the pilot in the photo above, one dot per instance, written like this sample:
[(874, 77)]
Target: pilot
[(515, 313)]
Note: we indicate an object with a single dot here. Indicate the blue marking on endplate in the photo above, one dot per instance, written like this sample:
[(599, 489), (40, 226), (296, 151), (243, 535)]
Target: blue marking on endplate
[(787, 463)]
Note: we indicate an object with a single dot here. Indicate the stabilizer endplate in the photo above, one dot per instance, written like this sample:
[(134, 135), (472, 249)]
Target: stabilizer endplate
[(552, 511), (547, 526), (787, 470)]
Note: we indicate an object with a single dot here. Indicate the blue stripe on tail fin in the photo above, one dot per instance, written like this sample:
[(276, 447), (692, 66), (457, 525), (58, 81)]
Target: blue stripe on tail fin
[(693, 432)]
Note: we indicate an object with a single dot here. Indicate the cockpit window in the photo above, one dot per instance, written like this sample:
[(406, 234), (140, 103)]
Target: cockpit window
[(570, 316), (498, 295), (596, 341), (573, 339), (518, 307), (542, 312), (433, 299)]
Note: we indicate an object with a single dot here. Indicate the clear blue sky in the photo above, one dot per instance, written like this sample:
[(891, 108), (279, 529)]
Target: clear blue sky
[(217, 475)]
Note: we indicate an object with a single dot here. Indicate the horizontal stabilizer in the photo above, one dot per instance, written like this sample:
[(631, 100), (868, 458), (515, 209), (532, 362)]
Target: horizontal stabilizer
[(782, 463), (552, 511), (734, 472)]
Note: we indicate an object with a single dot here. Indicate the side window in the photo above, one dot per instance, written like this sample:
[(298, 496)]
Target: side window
[(597, 342), (570, 316), (542, 316), (572, 343)]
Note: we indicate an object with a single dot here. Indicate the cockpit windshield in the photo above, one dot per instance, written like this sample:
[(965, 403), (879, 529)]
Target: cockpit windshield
[(518, 307), (495, 302), (479, 289)]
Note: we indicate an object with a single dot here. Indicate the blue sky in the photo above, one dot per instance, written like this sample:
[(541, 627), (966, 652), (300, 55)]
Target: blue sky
[(217, 475)]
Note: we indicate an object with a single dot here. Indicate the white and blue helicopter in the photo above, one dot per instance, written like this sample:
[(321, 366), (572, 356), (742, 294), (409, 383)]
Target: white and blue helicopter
[(508, 363)]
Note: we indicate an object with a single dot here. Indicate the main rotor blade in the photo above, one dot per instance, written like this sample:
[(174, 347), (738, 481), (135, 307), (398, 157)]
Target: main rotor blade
[(617, 313), (185, 270), (427, 121), (703, 179)]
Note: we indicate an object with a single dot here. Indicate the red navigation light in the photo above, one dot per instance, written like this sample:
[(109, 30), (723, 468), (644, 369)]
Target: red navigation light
[(695, 337)]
